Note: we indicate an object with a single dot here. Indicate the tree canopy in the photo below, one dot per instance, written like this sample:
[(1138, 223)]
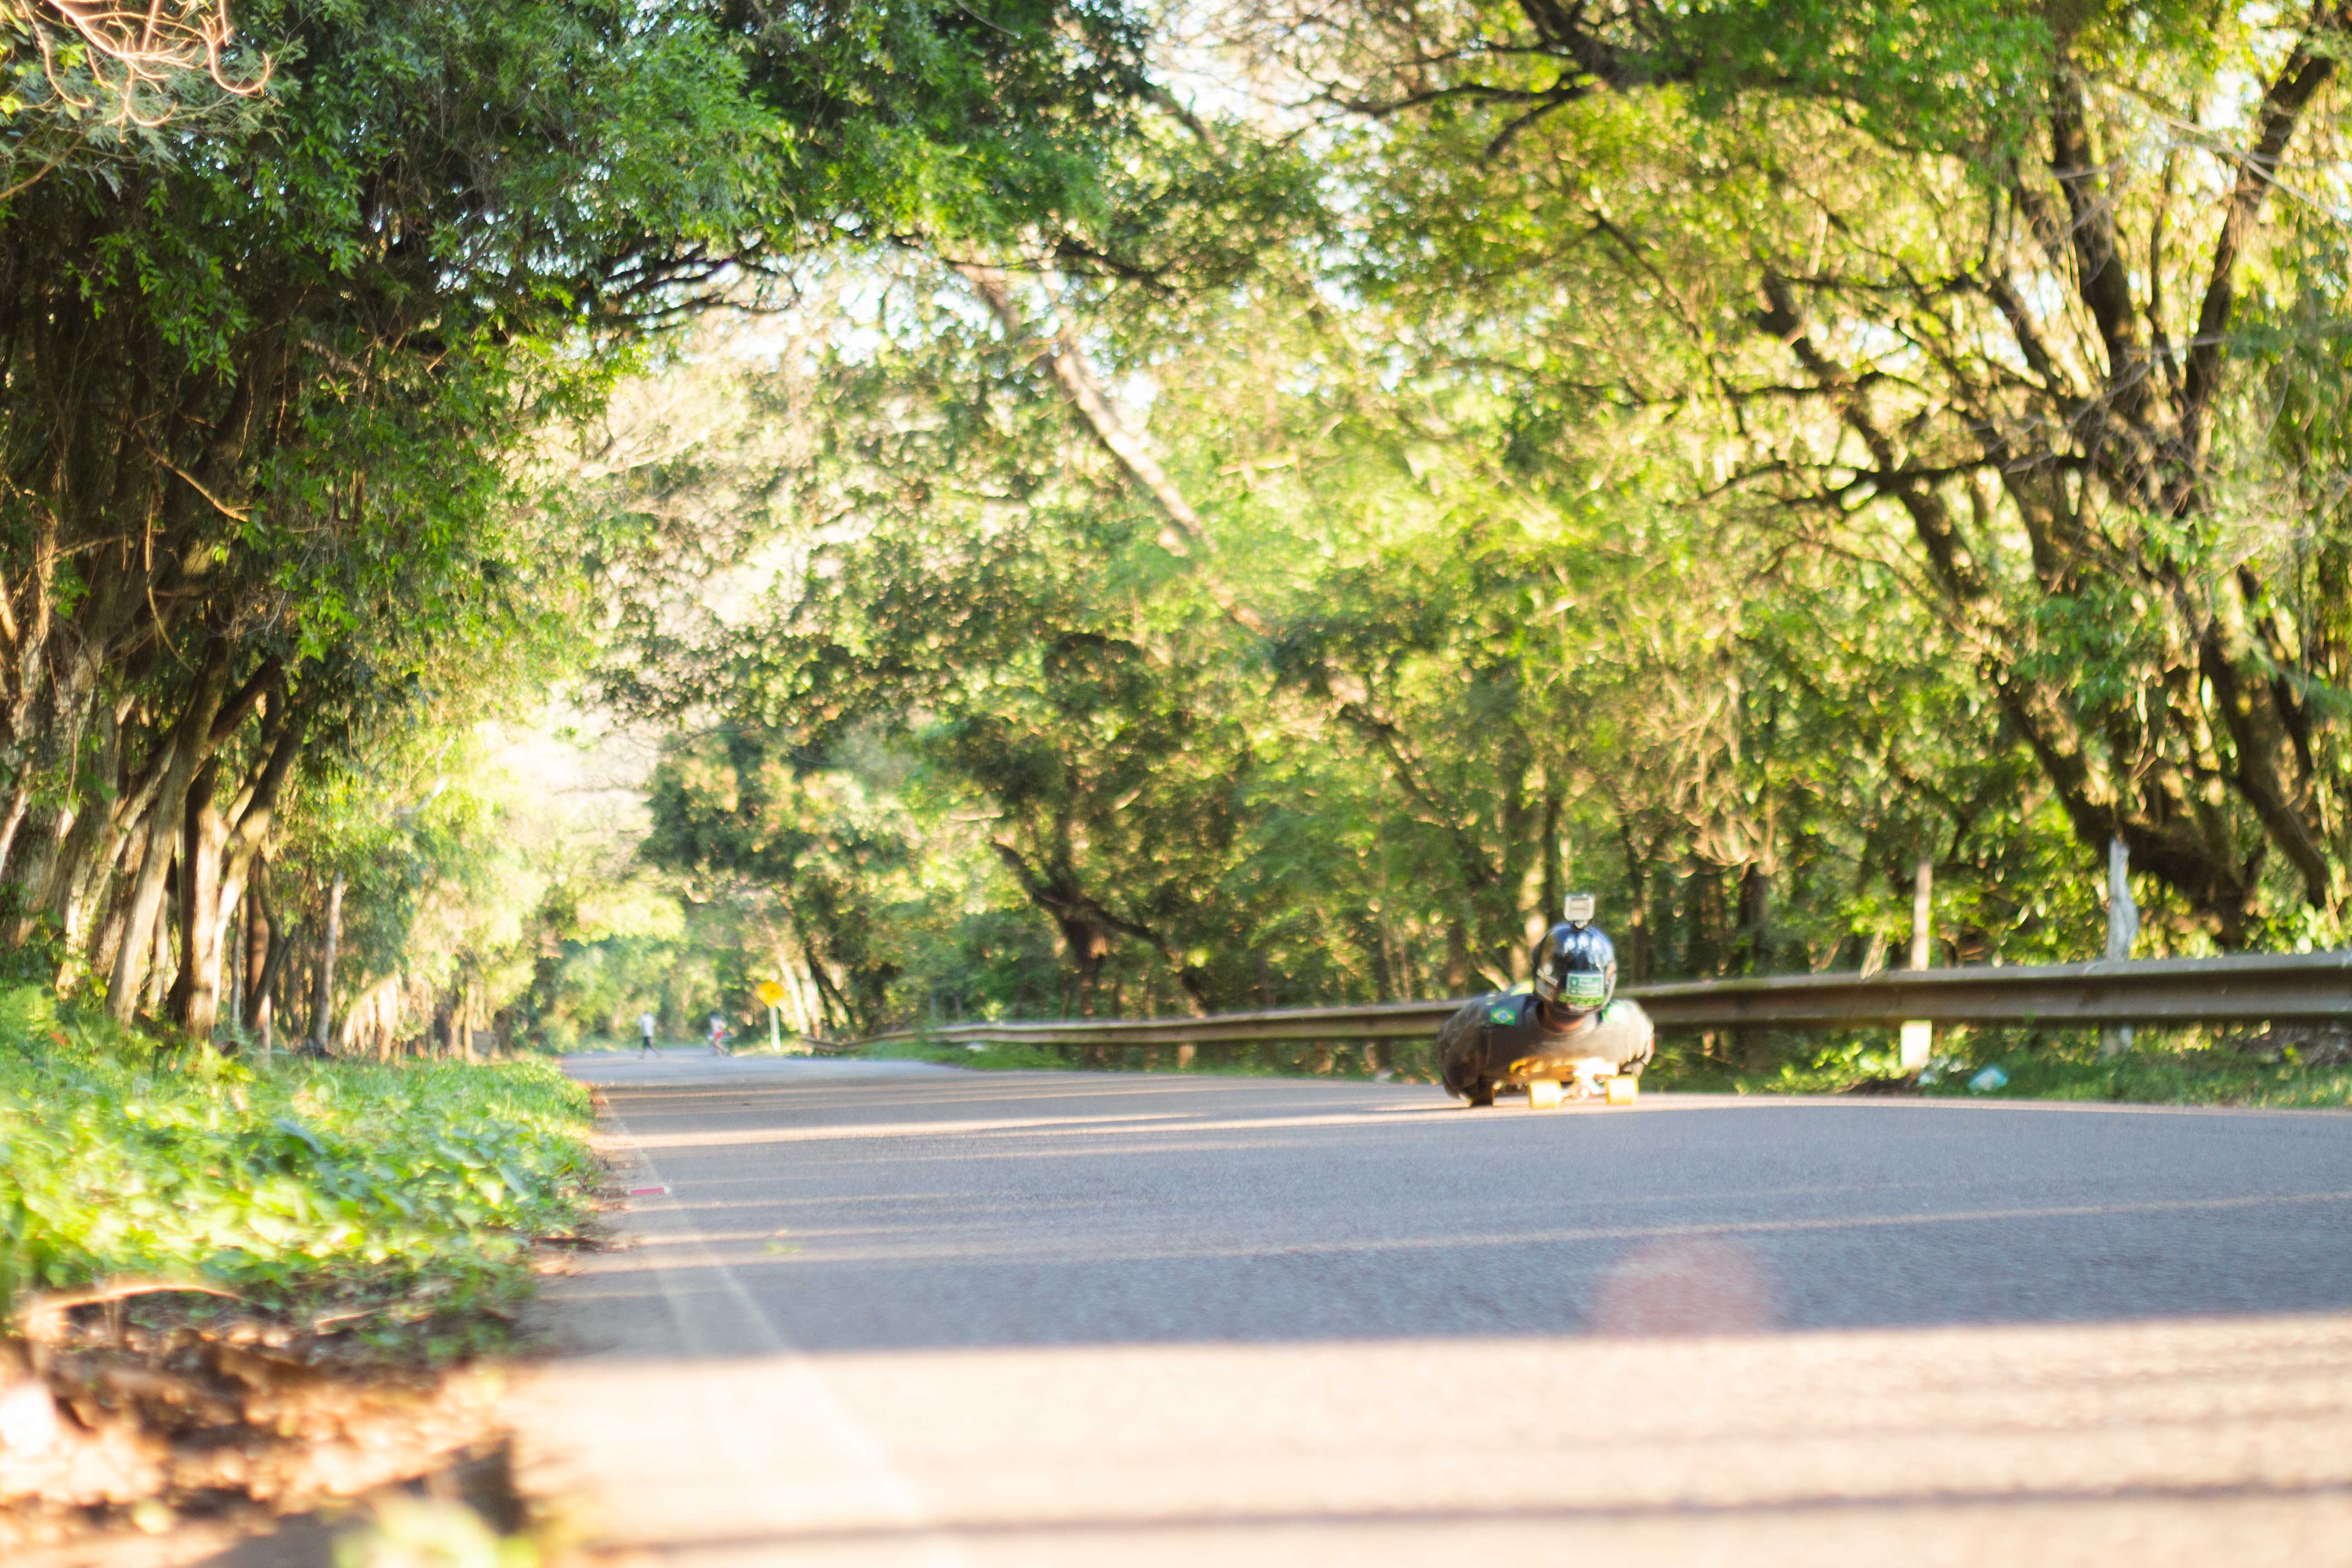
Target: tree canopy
[(1721, 453), (1194, 511), (273, 380)]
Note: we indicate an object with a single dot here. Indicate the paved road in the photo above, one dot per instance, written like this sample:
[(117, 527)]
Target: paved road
[(889, 1313)]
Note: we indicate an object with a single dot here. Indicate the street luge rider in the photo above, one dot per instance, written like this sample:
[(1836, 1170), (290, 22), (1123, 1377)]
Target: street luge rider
[(1570, 1033)]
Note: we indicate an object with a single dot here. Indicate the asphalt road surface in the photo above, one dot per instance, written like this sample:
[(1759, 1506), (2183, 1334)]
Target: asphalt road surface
[(889, 1313)]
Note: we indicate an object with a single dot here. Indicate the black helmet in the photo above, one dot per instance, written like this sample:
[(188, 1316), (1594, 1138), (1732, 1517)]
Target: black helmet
[(1576, 968)]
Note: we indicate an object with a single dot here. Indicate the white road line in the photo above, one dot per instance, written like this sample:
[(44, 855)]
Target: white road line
[(816, 1397)]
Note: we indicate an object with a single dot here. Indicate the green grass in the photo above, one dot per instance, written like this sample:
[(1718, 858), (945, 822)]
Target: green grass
[(407, 1195), (2187, 1077), (2182, 1067), (2166, 1067)]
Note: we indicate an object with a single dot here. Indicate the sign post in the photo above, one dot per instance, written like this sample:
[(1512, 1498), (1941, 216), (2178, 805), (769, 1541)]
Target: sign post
[(2123, 929), (772, 994), (1918, 1037)]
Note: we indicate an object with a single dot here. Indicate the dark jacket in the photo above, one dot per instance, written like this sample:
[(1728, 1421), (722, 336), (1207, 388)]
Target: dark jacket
[(1502, 1039)]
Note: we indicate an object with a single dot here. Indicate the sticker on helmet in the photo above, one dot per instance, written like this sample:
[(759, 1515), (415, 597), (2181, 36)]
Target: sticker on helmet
[(1586, 989)]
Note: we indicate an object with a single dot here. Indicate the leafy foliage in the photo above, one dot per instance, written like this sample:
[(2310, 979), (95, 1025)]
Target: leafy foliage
[(984, 716), (1722, 455), (1888, 295), (409, 1190), (278, 380)]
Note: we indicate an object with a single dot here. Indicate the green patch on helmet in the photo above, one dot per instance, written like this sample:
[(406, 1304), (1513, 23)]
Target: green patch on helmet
[(1582, 988)]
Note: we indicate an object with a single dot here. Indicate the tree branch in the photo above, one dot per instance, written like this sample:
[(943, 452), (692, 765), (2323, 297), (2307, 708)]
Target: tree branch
[(2298, 81), (1186, 536)]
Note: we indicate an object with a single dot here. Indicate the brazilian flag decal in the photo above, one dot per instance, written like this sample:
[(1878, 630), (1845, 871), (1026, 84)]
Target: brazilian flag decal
[(1504, 1014)]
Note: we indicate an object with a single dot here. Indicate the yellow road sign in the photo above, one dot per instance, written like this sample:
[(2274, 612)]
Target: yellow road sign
[(770, 993)]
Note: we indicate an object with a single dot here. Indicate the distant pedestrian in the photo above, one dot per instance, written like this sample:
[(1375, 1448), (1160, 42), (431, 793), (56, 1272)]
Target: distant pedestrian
[(644, 1036), (717, 1033)]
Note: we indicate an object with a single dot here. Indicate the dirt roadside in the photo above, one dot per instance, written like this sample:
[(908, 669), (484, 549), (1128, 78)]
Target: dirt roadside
[(144, 1427)]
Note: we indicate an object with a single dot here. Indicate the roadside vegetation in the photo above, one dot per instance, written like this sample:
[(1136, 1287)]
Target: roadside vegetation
[(403, 1201), (257, 1285), (2283, 1071)]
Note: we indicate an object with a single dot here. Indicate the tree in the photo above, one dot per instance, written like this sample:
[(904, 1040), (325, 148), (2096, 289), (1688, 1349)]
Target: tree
[(1620, 470), (263, 397), (269, 398), (2041, 285), (88, 83), (1337, 737)]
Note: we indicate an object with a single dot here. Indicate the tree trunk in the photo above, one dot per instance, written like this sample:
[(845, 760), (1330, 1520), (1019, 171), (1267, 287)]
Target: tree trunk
[(322, 995), (1457, 958), (268, 946), (1755, 919), (261, 947), (159, 972), (240, 833), (52, 866), (1555, 871), (100, 840), (20, 797), (190, 744), (1637, 956), (195, 995), (106, 941), (27, 739), (1923, 905), (2122, 930), (233, 964), (54, 754), (1704, 923)]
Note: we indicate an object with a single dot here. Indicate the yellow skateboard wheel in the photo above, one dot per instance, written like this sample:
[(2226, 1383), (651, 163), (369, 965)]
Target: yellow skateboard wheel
[(1624, 1087), (1544, 1094)]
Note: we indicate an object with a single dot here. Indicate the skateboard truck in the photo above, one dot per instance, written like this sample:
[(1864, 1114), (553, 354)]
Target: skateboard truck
[(1588, 1078)]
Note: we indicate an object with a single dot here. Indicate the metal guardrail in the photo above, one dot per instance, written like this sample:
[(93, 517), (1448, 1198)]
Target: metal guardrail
[(2245, 988)]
